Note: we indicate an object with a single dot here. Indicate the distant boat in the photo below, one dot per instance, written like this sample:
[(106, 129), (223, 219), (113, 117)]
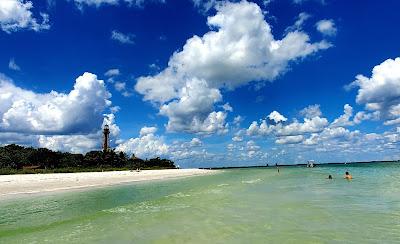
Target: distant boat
[(310, 164)]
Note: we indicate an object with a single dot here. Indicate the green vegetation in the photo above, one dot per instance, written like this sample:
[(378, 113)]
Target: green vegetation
[(15, 159)]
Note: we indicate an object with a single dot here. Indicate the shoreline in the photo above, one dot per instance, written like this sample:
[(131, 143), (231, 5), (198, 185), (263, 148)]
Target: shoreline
[(303, 165), (33, 184)]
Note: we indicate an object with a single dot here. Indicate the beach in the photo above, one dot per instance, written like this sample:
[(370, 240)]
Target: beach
[(19, 184)]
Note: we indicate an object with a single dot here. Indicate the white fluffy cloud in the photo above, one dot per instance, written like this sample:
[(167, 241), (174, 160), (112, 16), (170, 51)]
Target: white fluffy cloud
[(147, 130), (81, 143), (311, 111), (239, 49), (313, 125), (147, 145), (259, 130), (191, 113), (59, 121), (345, 118), (326, 27), (16, 15), (277, 117), (79, 111), (287, 133), (70, 143), (318, 135), (362, 115), (196, 142), (237, 138), (290, 139), (332, 137), (293, 132), (381, 92)]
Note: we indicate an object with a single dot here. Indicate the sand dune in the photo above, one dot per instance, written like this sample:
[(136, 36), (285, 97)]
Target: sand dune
[(13, 185)]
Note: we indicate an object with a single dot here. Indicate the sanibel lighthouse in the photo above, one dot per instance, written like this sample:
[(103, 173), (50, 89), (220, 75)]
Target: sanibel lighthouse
[(106, 136)]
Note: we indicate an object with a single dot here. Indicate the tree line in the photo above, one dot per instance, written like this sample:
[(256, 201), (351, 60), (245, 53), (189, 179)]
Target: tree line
[(19, 159)]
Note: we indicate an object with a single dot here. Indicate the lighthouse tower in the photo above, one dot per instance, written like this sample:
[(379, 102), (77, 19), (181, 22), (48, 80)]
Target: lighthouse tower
[(106, 137)]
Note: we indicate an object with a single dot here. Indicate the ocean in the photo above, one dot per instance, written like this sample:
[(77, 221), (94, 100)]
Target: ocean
[(297, 205)]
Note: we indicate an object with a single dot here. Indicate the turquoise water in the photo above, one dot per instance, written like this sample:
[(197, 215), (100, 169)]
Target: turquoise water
[(234, 206)]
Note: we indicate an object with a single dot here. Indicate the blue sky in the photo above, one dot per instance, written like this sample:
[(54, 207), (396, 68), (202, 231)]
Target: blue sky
[(203, 82)]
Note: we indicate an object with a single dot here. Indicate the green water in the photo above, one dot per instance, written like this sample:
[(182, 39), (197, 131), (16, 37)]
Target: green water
[(235, 206)]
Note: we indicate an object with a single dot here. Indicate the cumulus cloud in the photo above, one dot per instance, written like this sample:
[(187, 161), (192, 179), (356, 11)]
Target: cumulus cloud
[(345, 118), (259, 130), (81, 143), (195, 142), (147, 145), (313, 125), (363, 115), (326, 27), (290, 139), (276, 117), (288, 133), (59, 121), (79, 111), (17, 14), (191, 113), (331, 137), (381, 92), (252, 149), (122, 37), (147, 130), (70, 143), (311, 111), (13, 65), (239, 49), (237, 138)]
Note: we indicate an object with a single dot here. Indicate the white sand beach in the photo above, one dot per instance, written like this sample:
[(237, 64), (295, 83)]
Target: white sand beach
[(13, 185)]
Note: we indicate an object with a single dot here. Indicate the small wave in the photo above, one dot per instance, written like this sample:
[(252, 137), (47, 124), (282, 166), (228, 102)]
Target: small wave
[(179, 195), (251, 181), (117, 210), (220, 185), (145, 208)]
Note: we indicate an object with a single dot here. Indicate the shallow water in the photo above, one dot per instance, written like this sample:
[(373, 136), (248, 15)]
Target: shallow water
[(298, 205)]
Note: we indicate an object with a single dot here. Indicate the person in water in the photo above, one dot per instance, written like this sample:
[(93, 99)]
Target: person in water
[(330, 177), (348, 176)]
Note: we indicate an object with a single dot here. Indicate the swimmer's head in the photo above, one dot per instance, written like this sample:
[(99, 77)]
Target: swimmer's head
[(347, 173), (330, 177)]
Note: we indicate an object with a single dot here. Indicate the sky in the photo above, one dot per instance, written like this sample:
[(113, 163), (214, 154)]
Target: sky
[(204, 83)]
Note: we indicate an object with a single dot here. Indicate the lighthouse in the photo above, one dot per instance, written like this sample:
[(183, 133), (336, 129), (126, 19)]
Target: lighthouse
[(106, 136)]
